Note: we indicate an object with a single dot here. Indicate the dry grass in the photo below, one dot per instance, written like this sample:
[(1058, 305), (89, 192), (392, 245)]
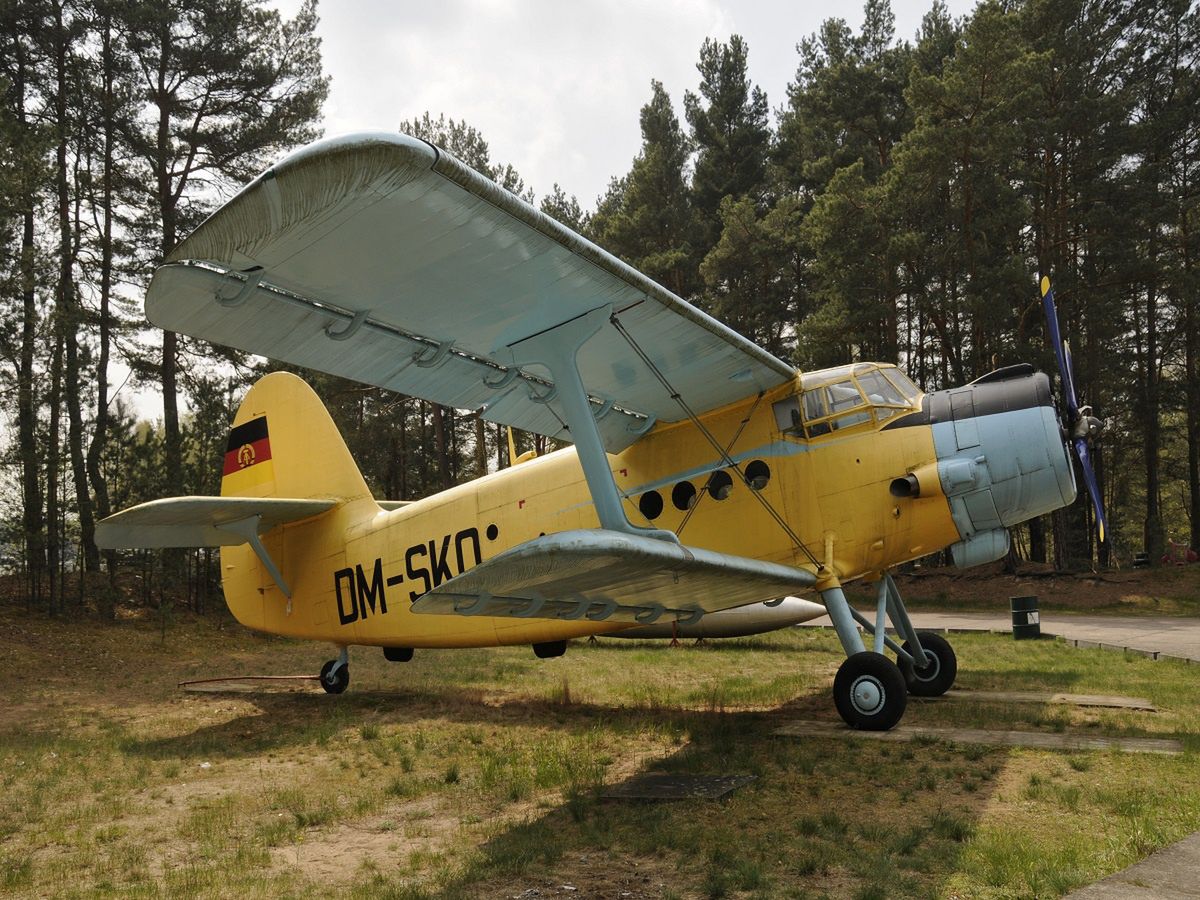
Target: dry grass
[(474, 773)]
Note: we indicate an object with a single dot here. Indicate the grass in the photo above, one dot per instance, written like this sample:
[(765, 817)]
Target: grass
[(477, 773)]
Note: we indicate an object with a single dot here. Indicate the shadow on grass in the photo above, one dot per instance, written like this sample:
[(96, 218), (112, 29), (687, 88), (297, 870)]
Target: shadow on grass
[(830, 815), (286, 720), (717, 645)]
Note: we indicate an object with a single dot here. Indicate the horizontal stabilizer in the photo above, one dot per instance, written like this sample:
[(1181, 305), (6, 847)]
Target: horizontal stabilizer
[(610, 576), (200, 521)]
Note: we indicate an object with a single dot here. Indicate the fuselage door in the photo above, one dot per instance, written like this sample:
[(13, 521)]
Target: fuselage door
[(962, 411)]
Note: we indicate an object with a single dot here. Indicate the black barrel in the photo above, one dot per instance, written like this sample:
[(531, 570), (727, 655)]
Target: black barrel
[(1027, 622)]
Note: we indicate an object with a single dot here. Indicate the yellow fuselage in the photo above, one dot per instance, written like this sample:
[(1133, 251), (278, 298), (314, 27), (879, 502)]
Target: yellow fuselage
[(356, 569)]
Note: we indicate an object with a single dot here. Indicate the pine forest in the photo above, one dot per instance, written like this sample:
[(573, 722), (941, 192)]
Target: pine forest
[(898, 205)]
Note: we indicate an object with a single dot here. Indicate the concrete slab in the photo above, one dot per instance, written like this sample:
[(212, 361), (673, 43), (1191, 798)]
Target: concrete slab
[(1170, 636), (247, 684), (1169, 874), (1038, 740), (1089, 700)]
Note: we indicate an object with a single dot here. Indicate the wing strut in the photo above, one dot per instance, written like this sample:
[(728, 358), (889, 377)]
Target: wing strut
[(248, 529), (556, 348)]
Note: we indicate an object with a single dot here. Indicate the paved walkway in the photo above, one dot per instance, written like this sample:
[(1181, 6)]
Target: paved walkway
[(1155, 636), (1173, 871), (1169, 873)]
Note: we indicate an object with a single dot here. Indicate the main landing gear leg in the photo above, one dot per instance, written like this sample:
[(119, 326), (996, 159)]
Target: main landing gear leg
[(868, 690), (861, 689), (335, 674)]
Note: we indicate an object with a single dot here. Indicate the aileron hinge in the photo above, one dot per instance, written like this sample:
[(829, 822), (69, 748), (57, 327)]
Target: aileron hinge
[(243, 288), (507, 377), (347, 330), (433, 356)]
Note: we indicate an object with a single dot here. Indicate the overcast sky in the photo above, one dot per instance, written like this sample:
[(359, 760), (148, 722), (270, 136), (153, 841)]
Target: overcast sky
[(555, 87)]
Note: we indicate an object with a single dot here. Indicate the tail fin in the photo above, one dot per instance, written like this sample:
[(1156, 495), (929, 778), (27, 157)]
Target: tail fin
[(283, 443)]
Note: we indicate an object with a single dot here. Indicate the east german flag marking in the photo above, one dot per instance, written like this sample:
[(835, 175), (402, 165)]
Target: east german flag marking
[(248, 449)]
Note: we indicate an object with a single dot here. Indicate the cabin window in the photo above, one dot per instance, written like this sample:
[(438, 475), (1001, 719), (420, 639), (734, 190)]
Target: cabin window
[(758, 473), (651, 505), (787, 415), (720, 485), (883, 395), (684, 495), (903, 383)]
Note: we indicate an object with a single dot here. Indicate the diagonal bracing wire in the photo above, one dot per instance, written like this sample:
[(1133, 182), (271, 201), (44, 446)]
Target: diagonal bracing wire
[(728, 448), (725, 457)]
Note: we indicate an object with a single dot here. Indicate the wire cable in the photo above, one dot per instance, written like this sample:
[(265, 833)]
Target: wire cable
[(728, 460)]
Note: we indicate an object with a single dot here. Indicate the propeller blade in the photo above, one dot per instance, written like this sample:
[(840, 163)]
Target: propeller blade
[(1089, 478), (1062, 354), (1069, 381)]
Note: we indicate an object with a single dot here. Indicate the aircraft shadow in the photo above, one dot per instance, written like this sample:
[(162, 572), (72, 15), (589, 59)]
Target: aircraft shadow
[(288, 719), (823, 813), (836, 809)]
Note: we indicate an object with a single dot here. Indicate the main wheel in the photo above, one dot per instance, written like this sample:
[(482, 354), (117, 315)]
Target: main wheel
[(334, 682), (940, 670), (869, 692)]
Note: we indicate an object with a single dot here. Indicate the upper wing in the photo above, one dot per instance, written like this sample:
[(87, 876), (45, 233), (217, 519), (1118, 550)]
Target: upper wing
[(379, 258)]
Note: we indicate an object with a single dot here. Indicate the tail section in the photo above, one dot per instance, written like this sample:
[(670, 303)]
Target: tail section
[(283, 443)]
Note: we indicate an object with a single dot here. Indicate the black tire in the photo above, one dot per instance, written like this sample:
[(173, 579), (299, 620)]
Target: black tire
[(938, 676), (334, 682), (869, 692), (398, 654)]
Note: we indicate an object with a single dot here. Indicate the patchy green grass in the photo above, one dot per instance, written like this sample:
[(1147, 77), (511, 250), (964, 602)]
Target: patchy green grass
[(477, 773)]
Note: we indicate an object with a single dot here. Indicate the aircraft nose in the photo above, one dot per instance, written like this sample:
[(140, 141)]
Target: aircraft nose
[(1002, 458)]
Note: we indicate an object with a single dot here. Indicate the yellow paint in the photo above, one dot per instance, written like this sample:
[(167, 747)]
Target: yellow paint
[(256, 480), (833, 491)]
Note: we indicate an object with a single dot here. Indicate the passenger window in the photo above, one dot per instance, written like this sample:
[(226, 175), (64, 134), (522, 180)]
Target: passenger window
[(720, 485)]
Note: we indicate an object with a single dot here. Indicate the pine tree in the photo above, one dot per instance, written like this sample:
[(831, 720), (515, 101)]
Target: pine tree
[(730, 133), (230, 86), (646, 217)]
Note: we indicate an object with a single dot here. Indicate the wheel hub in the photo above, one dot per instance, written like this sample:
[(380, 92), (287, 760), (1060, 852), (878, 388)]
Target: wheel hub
[(932, 667), (867, 695)]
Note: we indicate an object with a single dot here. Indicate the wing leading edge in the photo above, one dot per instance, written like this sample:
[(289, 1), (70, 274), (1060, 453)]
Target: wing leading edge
[(379, 258)]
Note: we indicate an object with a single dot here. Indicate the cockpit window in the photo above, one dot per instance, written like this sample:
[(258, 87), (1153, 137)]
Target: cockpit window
[(900, 380), (836, 399), (880, 391)]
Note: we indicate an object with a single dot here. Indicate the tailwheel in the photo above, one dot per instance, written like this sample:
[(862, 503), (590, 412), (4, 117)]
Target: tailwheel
[(869, 692), (335, 681), (939, 672)]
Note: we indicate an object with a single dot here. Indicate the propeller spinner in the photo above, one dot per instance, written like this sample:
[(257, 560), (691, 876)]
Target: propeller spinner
[(1082, 427)]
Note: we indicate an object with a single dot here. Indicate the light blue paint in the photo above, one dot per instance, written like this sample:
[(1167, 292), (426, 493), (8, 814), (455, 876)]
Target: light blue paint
[(1018, 469)]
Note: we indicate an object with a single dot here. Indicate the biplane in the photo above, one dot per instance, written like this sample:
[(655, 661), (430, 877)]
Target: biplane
[(704, 474)]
